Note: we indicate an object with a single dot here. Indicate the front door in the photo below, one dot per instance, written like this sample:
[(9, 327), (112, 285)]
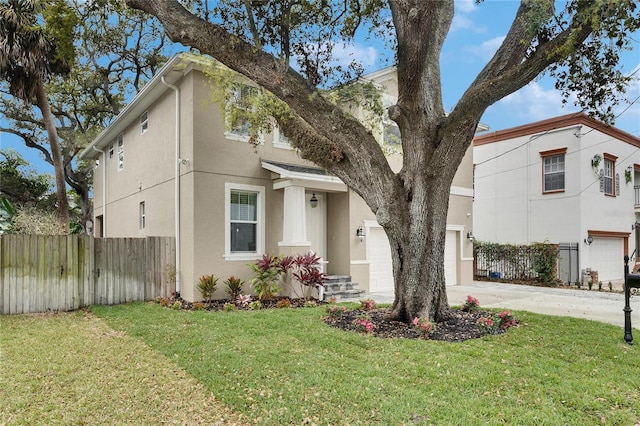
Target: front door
[(317, 224)]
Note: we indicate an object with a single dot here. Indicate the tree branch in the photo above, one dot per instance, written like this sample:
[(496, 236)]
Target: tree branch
[(355, 143), (29, 141)]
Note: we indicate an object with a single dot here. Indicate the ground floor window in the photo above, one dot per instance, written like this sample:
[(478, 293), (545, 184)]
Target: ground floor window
[(244, 221)]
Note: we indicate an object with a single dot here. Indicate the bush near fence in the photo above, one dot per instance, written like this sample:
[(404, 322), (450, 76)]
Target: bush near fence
[(40, 273), (536, 263)]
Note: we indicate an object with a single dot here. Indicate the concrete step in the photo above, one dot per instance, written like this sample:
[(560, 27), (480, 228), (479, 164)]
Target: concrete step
[(341, 287)]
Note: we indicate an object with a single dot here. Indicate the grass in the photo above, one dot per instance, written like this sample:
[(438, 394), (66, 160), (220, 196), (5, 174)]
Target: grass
[(286, 367), (71, 368)]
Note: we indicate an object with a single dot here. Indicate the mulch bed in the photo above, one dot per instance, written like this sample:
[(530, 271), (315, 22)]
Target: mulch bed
[(458, 327)]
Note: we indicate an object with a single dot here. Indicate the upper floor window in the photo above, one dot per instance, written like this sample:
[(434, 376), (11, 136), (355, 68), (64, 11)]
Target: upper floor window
[(390, 134), (553, 170), (608, 183), (143, 216), (111, 151), (279, 139), (238, 109), (390, 130), (120, 151), (144, 122)]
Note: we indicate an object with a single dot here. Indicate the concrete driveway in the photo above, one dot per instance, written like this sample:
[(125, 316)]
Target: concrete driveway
[(594, 305)]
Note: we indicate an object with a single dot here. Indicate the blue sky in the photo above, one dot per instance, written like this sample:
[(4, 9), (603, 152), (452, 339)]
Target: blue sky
[(476, 33)]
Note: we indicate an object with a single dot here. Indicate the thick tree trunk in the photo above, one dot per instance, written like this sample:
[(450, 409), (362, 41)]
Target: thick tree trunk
[(417, 245), (56, 156)]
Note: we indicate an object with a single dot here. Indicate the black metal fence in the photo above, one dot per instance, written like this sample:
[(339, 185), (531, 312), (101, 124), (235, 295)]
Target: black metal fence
[(537, 262)]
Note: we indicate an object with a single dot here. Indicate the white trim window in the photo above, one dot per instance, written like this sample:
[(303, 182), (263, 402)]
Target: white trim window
[(554, 173), (120, 151), (144, 122), (244, 221), (280, 140), (608, 177), (111, 151), (143, 215), (553, 170), (239, 106)]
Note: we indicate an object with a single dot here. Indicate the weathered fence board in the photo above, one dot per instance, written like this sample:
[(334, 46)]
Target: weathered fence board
[(60, 273)]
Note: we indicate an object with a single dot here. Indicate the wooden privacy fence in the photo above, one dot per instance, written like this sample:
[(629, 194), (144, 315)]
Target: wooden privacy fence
[(40, 273)]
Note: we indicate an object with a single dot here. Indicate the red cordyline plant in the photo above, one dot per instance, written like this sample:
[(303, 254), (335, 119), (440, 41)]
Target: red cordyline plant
[(269, 268), (308, 271)]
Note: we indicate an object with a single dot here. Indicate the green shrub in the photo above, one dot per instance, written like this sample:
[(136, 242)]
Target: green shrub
[(233, 287), (267, 272), (207, 286)]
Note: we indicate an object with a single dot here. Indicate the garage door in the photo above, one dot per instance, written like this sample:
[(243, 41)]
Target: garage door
[(381, 269), (379, 256), (450, 259), (606, 256)]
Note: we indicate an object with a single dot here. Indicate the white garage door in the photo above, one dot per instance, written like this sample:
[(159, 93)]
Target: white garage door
[(381, 269), (450, 259), (379, 256), (606, 256)]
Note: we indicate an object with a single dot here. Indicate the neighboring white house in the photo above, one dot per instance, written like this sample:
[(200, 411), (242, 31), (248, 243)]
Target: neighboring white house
[(569, 180), (169, 166)]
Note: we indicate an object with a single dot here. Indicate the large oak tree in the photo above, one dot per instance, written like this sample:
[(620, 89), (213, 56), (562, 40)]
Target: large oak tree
[(578, 45), (115, 51)]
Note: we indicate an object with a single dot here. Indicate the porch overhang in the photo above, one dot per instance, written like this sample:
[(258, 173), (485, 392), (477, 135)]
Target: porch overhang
[(303, 176)]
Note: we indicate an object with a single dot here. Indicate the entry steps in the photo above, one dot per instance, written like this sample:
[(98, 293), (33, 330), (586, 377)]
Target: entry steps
[(341, 287)]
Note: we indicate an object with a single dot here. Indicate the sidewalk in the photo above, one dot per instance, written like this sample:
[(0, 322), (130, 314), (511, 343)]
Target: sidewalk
[(594, 305)]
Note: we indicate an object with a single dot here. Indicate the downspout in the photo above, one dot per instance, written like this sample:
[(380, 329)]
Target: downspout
[(176, 183), (104, 192)]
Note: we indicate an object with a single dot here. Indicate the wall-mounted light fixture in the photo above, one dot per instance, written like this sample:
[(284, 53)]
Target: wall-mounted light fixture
[(313, 201), (360, 233), (470, 236), (588, 240)]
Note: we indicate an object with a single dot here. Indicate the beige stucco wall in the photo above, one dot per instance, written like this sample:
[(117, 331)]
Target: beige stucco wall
[(211, 160)]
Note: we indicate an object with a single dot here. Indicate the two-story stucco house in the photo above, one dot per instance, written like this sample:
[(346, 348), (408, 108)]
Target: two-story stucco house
[(569, 180), (168, 166)]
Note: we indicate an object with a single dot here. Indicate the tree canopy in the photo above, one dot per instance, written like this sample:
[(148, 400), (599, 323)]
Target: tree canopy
[(286, 47), (114, 50)]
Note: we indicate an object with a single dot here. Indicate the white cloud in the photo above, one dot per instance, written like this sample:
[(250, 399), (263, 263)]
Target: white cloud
[(487, 49), (463, 22), (534, 102), (465, 6), (344, 54)]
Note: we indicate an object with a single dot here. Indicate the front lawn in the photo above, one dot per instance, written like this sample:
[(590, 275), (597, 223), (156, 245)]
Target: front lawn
[(72, 369), (285, 366)]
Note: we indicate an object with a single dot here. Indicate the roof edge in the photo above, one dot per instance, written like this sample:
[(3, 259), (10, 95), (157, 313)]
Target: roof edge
[(556, 123)]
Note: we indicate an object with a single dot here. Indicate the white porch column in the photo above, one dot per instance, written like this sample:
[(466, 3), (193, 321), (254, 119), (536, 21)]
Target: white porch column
[(294, 224)]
